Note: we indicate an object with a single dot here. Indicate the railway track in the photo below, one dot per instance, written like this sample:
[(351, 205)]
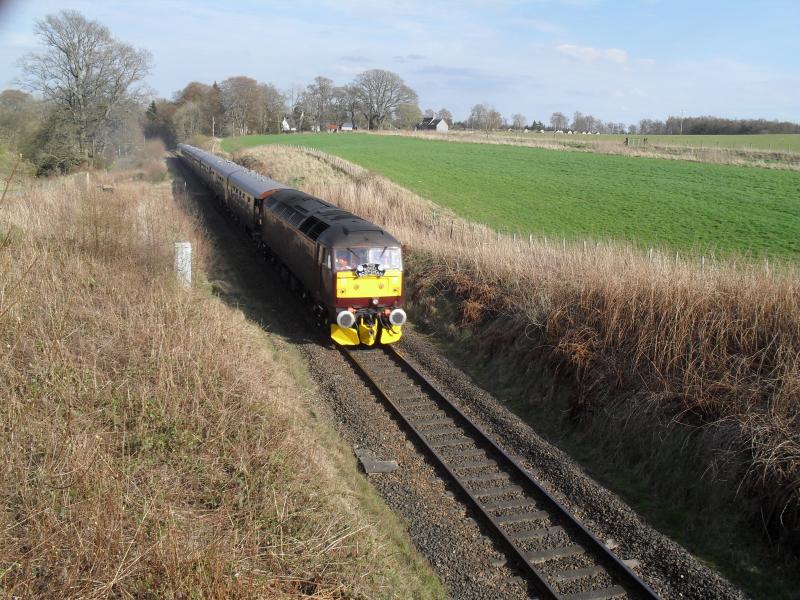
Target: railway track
[(558, 555)]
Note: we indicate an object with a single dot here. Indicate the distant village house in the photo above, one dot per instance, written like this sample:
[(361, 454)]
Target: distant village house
[(335, 127), (285, 127), (432, 124)]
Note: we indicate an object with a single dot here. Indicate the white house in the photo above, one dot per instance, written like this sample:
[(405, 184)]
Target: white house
[(432, 124)]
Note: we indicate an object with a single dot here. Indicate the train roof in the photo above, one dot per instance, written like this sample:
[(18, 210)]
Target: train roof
[(341, 228), (321, 220), (254, 183), (221, 166)]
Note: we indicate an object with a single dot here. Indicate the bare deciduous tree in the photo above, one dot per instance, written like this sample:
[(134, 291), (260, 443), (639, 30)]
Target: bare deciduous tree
[(478, 116), (338, 109), (319, 95), (588, 123), (558, 121), (407, 115), (380, 93), (241, 98), (352, 102), (485, 117), (188, 120), (272, 109), (494, 120), (446, 115), (518, 121), (84, 74)]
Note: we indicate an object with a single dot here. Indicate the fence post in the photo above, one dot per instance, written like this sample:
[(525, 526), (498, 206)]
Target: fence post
[(530, 239), (650, 254), (183, 262)]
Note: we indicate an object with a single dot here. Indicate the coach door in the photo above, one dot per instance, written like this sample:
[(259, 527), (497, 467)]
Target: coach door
[(258, 202)]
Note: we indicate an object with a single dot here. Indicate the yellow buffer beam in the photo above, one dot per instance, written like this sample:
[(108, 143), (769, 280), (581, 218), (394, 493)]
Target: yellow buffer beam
[(348, 285)]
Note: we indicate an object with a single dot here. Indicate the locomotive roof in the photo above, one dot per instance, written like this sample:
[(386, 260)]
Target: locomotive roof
[(344, 228)]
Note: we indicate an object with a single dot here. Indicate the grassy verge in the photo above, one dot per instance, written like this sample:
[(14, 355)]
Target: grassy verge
[(694, 208), (153, 442), (678, 474), (708, 357)]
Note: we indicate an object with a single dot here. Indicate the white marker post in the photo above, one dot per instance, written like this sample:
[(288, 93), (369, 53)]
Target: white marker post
[(183, 262)]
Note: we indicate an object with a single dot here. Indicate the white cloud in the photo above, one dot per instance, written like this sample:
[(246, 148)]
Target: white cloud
[(589, 54), (539, 25), (616, 55)]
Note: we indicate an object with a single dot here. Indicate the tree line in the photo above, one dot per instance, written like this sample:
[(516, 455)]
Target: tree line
[(83, 102), (240, 105), (674, 125)]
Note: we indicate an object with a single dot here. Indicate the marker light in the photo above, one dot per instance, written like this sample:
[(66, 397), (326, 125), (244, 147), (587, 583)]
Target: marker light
[(345, 319), (397, 316)]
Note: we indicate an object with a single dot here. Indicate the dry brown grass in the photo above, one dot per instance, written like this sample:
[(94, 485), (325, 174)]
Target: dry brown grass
[(151, 443), (769, 159), (714, 343), (147, 162)]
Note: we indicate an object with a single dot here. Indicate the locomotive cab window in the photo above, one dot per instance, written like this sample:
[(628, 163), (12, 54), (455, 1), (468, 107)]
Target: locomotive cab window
[(387, 257)]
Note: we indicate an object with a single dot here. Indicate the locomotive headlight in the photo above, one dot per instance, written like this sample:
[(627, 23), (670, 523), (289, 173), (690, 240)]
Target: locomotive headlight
[(345, 319), (375, 302), (397, 316), (360, 268)]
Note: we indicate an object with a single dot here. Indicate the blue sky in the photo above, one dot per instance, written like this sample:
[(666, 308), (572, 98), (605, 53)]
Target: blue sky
[(618, 60)]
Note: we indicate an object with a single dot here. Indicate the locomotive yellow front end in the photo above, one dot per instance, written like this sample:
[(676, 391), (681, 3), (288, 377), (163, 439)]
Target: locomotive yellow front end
[(368, 288)]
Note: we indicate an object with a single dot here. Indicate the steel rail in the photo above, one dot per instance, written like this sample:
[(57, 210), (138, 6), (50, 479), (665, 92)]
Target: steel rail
[(622, 574)]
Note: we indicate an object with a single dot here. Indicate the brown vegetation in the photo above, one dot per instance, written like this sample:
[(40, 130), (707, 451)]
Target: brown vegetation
[(152, 443), (713, 345)]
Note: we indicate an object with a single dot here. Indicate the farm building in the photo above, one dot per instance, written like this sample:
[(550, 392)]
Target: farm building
[(432, 124), (336, 127)]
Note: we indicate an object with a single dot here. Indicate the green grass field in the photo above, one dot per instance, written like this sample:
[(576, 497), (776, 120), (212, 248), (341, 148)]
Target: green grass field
[(679, 205)]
